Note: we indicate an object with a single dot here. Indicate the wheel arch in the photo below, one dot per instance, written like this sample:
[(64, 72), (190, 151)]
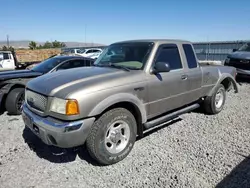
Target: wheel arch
[(228, 81), (127, 101), (5, 89)]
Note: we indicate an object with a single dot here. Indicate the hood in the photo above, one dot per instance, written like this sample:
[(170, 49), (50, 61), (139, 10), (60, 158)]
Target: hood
[(89, 79), (240, 55), (11, 74)]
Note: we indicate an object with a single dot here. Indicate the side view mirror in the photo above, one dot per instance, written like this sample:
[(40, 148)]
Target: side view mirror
[(161, 67), (234, 50)]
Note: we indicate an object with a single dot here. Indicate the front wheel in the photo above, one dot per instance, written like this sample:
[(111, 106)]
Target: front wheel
[(112, 136), (14, 101)]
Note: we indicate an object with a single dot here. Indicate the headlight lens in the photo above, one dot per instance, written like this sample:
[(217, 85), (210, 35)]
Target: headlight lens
[(66, 107)]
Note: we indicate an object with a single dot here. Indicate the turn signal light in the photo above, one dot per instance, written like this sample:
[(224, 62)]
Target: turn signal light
[(72, 107)]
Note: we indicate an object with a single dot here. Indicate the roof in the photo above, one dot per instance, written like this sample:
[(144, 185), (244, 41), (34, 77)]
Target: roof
[(155, 41), (66, 57)]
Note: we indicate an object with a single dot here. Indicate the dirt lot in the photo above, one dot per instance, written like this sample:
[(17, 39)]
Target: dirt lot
[(193, 151)]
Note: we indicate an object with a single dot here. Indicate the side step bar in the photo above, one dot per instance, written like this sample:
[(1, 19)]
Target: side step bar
[(170, 116)]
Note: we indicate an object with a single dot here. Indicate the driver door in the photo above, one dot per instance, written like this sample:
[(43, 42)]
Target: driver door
[(166, 90)]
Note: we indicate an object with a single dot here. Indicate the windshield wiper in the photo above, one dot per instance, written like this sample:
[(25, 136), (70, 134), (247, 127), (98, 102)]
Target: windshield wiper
[(119, 66), (113, 65)]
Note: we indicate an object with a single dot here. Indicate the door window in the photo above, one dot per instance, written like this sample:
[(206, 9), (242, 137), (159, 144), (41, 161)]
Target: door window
[(170, 54)]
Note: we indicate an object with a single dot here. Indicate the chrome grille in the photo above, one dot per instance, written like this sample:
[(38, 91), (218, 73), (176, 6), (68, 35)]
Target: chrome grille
[(35, 100)]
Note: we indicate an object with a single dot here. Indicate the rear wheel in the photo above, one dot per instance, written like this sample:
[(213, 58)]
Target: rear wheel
[(14, 101), (112, 136), (215, 103)]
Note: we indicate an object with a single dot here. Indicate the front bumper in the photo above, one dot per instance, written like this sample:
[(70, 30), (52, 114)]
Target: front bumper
[(55, 132)]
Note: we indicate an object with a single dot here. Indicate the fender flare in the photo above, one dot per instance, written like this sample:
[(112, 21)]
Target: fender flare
[(117, 98), (223, 77), (10, 84), (7, 86)]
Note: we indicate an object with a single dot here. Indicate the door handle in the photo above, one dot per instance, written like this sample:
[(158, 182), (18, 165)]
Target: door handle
[(184, 77)]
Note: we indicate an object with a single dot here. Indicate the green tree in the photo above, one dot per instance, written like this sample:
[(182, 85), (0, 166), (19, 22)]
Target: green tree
[(4, 48), (56, 44), (32, 45), (63, 44), (40, 47), (47, 45), (11, 49)]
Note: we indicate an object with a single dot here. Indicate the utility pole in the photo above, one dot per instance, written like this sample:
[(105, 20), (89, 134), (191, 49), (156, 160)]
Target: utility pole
[(85, 33), (8, 43), (207, 48)]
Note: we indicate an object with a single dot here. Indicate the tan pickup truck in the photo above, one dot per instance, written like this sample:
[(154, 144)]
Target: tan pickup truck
[(133, 86)]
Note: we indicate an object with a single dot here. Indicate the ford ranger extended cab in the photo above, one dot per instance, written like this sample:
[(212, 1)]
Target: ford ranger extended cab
[(132, 87)]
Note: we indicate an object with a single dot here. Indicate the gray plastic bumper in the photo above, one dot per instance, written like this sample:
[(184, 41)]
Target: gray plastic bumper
[(55, 132)]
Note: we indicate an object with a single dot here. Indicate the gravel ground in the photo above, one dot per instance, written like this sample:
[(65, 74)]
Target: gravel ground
[(194, 151)]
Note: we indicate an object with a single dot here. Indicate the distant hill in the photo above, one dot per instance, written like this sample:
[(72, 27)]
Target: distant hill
[(25, 44)]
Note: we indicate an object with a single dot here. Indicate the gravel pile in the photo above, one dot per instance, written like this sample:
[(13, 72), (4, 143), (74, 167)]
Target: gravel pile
[(193, 151)]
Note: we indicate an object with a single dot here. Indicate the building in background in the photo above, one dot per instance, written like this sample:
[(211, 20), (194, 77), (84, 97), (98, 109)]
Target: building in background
[(210, 51), (216, 51)]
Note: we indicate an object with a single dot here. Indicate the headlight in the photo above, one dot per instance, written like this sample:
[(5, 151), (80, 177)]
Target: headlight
[(66, 107)]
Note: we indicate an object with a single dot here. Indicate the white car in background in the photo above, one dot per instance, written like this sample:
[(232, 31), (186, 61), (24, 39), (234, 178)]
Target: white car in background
[(95, 55), (91, 52)]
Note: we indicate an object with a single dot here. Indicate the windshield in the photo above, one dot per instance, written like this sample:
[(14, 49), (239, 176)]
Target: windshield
[(47, 65), (130, 55), (245, 47)]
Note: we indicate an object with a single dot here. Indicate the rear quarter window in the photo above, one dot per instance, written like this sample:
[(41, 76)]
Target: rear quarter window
[(189, 52)]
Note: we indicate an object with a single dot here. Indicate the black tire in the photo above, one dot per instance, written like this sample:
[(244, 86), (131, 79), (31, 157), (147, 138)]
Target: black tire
[(209, 104), (13, 101), (95, 142)]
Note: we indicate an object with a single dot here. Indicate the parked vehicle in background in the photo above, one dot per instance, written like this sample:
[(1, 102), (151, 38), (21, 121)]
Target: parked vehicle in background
[(95, 55), (240, 59), (133, 86), (36, 63), (31, 66), (90, 52), (7, 60), (12, 83), (75, 51)]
